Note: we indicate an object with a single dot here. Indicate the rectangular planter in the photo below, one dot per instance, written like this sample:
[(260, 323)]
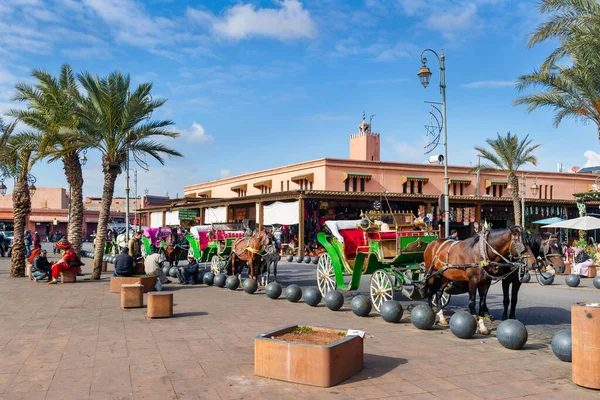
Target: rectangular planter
[(308, 364), (116, 282)]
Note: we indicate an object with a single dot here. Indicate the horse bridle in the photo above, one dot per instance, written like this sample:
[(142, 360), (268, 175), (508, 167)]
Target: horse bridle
[(545, 248)]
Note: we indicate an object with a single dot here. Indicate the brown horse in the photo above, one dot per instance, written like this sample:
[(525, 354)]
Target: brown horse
[(472, 263), (248, 251)]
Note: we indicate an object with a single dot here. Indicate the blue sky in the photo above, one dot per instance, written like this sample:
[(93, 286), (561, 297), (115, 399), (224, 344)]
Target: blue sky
[(258, 84)]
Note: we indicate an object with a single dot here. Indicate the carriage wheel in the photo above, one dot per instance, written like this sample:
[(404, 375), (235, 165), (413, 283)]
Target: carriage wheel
[(325, 274), (215, 264), (381, 288)]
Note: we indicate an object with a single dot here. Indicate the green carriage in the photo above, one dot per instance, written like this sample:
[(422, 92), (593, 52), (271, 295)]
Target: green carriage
[(387, 246), (212, 243)]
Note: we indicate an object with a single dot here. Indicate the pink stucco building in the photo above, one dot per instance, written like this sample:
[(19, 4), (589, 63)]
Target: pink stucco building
[(341, 188)]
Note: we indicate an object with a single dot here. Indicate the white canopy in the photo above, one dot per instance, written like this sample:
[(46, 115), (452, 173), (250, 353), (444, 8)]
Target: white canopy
[(284, 213), (215, 214), (336, 226), (194, 230), (582, 223)]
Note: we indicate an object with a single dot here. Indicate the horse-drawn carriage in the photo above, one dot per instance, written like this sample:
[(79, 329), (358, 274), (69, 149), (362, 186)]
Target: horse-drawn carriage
[(166, 241), (212, 243), (388, 246)]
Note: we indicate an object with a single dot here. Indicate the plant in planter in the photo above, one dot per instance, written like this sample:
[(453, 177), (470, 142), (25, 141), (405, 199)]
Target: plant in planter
[(309, 355)]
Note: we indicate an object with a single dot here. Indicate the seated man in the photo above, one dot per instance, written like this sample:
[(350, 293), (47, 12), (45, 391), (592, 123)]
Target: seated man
[(124, 264), (153, 266), (189, 273), (68, 256), (41, 267)]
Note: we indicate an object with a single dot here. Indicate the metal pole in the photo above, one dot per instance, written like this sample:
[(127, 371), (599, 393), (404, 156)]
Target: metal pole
[(523, 193), (136, 199), (446, 179), (127, 194), (478, 175)]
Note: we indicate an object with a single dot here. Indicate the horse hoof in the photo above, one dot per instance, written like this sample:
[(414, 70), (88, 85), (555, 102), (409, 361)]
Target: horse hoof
[(443, 323), (485, 331)]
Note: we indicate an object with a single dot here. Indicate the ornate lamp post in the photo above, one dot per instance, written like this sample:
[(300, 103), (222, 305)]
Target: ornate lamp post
[(31, 182), (425, 76)]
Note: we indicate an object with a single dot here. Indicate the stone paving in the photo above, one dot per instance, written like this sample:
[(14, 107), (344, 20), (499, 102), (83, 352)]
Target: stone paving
[(73, 341)]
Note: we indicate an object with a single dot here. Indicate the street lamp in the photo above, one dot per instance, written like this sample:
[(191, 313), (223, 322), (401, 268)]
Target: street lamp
[(84, 158), (2, 187), (31, 182), (425, 76)]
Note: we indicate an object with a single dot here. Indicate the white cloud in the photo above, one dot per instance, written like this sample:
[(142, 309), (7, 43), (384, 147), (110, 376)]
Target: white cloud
[(289, 21), (196, 134), (409, 152), (380, 52), (225, 173), (454, 21), (592, 158), (487, 84)]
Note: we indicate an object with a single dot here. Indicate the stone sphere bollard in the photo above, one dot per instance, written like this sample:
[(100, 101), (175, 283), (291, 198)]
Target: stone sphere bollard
[(312, 296), (562, 345), (463, 325), (391, 311), (512, 334), (334, 300), (361, 305), (422, 317)]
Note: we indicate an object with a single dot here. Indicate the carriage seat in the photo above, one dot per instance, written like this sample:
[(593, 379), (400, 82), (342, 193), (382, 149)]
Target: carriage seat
[(353, 238)]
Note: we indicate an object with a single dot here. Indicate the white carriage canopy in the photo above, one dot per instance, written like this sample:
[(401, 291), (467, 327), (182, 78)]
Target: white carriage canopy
[(283, 213), (336, 226), (215, 214), (195, 230)]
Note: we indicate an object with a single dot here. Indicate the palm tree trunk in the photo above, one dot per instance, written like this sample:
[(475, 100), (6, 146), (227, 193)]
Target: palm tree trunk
[(110, 176), (516, 199), (74, 176), (22, 208)]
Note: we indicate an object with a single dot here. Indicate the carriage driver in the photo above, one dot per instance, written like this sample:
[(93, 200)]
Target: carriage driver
[(135, 249)]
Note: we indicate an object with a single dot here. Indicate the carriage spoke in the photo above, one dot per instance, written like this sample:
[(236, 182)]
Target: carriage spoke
[(381, 288)]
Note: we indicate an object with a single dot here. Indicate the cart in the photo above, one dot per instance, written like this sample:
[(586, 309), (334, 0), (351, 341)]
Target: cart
[(387, 246), (212, 243)]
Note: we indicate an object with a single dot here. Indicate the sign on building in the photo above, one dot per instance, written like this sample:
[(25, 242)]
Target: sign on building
[(188, 214)]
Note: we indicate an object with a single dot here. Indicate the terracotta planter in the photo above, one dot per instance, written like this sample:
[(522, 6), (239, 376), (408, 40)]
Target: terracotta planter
[(585, 331), (308, 364), (116, 282)]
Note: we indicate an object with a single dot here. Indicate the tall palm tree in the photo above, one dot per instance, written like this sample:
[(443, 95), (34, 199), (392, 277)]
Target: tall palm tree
[(570, 75), (509, 153), (51, 111), (116, 122), (17, 154)]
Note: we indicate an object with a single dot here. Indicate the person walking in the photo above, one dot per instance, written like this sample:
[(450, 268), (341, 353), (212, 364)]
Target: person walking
[(37, 243), (28, 243)]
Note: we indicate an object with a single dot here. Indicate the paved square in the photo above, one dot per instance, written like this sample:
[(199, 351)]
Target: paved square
[(73, 341)]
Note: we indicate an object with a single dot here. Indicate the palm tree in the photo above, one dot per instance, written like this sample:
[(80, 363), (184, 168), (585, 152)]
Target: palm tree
[(116, 122), (17, 161), (509, 154), (50, 110), (571, 89)]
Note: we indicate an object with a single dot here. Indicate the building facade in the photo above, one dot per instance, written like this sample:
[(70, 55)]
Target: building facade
[(332, 188), (50, 211)]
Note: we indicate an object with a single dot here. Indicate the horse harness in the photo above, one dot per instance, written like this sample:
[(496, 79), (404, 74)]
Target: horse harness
[(485, 262)]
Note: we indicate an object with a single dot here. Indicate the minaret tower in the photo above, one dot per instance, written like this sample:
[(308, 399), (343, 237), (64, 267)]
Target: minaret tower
[(365, 145)]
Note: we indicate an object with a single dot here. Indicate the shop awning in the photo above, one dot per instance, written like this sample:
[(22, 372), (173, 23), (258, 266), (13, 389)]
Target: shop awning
[(268, 183), (490, 182), (305, 177), (464, 181), (243, 187), (206, 193), (413, 178), (48, 218), (364, 175), (284, 213)]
